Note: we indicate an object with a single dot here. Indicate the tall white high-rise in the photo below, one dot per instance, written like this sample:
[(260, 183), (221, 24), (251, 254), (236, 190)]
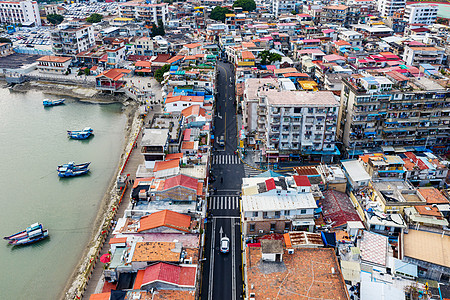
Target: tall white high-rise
[(23, 12), (422, 13), (388, 7)]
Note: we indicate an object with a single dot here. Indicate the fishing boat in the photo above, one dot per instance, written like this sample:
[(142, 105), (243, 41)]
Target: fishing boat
[(48, 102), (80, 134), (72, 166), (64, 172), (32, 234), (24, 233), (38, 236)]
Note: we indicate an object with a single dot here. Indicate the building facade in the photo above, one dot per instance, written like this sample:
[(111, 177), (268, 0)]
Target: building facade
[(374, 113), (421, 13), (71, 39), (388, 7), (141, 11), (23, 12)]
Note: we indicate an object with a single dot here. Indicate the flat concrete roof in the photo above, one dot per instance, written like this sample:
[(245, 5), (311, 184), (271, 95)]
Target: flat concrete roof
[(428, 247), (301, 98), (155, 137)]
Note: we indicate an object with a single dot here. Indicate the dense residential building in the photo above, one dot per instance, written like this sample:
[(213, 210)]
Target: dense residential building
[(374, 113), (143, 11), (288, 124), (71, 39), (54, 64), (421, 13), (336, 14), (388, 7), (20, 12), (283, 6), (416, 55)]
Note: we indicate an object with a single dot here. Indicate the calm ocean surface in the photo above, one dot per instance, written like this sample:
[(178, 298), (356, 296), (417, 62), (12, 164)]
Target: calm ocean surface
[(33, 141)]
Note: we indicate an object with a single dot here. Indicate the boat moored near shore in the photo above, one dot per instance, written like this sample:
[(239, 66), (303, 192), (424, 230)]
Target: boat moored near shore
[(31, 234), (72, 166), (80, 134), (48, 102), (65, 172)]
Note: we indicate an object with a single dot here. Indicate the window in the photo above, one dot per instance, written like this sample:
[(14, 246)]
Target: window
[(252, 227), (265, 214), (255, 214), (287, 226), (287, 212), (303, 211), (272, 226), (277, 214)]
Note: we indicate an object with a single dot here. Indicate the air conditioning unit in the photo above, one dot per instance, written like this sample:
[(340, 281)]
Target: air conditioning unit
[(271, 231), (290, 251), (261, 231)]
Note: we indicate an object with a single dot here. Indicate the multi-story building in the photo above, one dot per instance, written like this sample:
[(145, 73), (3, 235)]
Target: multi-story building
[(419, 13), (388, 7), (416, 55), (142, 11), (287, 124), (70, 39), (375, 113), (282, 6), (23, 12), (334, 14)]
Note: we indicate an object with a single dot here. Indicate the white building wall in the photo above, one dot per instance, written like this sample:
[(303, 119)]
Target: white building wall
[(421, 13)]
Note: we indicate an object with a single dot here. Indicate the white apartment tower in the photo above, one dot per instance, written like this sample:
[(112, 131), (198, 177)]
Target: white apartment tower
[(282, 6), (70, 39), (425, 13), (388, 7), (143, 11), (23, 12)]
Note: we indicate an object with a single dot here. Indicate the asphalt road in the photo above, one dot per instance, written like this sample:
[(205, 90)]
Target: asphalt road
[(222, 274)]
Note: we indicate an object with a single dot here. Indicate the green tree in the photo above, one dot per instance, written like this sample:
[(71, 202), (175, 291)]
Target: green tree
[(218, 13), (247, 5), (159, 74), (94, 18), (158, 30), (55, 19), (268, 57), (87, 72)]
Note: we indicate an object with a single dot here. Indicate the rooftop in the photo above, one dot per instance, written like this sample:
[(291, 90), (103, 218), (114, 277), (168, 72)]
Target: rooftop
[(278, 203), (157, 251), (155, 137), (306, 274), (338, 207), (427, 246), (301, 98)]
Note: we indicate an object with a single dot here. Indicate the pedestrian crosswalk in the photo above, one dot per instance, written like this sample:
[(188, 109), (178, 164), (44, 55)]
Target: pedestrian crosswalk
[(224, 202), (225, 159), (250, 172)]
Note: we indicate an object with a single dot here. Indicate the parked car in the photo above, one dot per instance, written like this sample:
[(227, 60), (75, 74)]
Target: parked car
[(221, 141)]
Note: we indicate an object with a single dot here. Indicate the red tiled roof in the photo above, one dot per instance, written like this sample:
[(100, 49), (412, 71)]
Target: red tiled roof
[(200, 188), (301, 180), (193, 110), (101, 296), (432, 195), (185, 98), (165, 218), (177, 275), (181, 180), (175, 59), (171, 156), (117, 240), (141, 63), (114, 74), (187, 134), (168, 164), (338, 208), (192, 46), (51, 58), (270, 184), (187, 145)]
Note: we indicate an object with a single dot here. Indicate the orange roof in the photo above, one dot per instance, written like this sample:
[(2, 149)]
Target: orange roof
[(432, 195), (193, 110), (285, 70), (51, 58), (147, 179), (155, 251), (287, 240), (190, 57), (117, 240), (142, 63), (342, 43), (175, 58), (165, 218), (296, 74), (199, 188), (101, 296), (247, 55), (168, 164), (428, 210), (187, 145), (185, 98), (174, 156), (192, 46), (114, 74), (248, 44), (138, 280)]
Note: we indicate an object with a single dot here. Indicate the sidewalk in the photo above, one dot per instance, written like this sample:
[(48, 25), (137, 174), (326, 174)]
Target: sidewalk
[(97, 280)]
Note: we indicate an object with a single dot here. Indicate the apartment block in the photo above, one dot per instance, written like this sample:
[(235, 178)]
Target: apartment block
[(23, 12), (334, 14), (70, 39), (417, 55), (375, 113), (291, 124), (421, 13), (282, 6), (388, 7), (143, 11)]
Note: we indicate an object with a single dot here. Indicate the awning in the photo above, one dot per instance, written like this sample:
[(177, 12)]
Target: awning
[(303, 223)]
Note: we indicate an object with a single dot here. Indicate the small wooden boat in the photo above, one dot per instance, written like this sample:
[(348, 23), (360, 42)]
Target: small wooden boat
[(80, 134), (72, 166), (64, 172), (48, 102), (38, 236), (24, 233)]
